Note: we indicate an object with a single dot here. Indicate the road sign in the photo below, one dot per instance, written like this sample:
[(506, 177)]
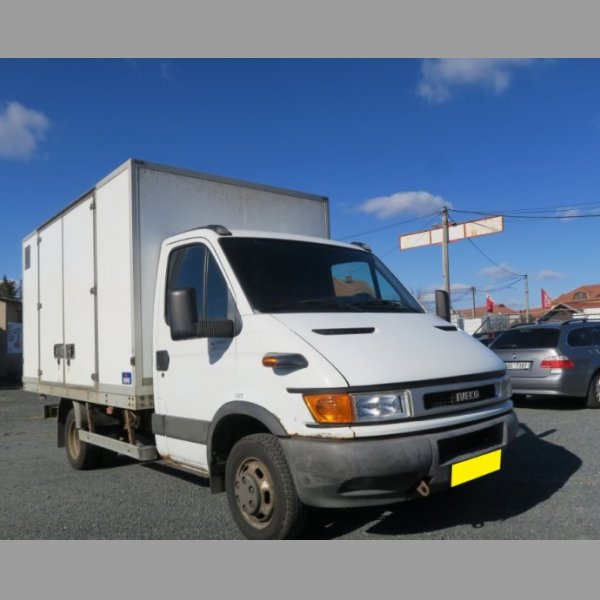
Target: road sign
[(456, 232)]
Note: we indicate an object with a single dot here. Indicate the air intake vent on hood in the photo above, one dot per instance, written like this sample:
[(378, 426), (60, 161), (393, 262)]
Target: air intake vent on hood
[(345, 331), (446, 327)]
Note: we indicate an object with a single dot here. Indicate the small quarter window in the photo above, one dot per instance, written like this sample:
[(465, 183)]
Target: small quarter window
[(580, 337)]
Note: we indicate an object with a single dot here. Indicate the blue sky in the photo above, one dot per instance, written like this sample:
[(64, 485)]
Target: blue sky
[(388, 141)]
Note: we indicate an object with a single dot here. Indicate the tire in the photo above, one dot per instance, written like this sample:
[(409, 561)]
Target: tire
[(260, 490), (80, 455), (593, 397)]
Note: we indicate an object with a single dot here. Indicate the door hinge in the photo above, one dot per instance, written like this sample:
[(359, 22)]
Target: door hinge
[(93, 290), (39, 240), (94, 376), (92, 205), (132, 361), (40, 372), (39, 306)]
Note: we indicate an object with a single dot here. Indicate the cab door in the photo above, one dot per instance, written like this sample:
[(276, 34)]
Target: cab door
[(194, 377)]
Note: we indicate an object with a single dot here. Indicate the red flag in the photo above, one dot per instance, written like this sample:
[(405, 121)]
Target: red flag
[(546, 300), (489, 304)]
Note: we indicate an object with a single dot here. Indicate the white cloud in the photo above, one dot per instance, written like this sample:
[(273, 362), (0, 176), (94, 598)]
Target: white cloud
[(441, 76), (568, 214), (499, 273), (21, 131), (550, 275), (403, 203), (167, 70)]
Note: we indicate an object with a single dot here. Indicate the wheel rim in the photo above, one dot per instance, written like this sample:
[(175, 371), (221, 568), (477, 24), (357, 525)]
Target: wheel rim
[(254, 492), (73, 440)]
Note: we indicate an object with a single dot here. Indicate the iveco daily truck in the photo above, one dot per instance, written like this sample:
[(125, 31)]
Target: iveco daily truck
[(211, 323)]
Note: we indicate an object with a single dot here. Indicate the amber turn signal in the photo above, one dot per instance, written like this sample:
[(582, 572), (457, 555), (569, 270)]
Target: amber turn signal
[(330, 408)]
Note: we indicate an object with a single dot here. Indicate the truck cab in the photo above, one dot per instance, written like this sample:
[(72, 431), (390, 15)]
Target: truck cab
[(299, 371)]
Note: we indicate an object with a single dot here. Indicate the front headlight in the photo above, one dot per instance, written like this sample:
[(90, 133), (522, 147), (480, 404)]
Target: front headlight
[(353, 408), (505, 388), (383, 406)]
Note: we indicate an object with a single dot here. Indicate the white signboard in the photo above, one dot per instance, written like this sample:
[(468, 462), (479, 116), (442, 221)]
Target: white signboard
[(456, 231), (14, 338)]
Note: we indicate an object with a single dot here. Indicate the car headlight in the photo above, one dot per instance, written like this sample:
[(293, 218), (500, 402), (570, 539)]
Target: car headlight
[(367, 407), (505, 388), (377, 407)]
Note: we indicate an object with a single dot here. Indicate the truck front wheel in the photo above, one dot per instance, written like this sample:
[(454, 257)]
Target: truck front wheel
[(260, 490), (81, 455)]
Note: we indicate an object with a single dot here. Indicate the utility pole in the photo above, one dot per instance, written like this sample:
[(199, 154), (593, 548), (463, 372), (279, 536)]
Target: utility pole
[(473, 293), (446, 266), (526, 298)]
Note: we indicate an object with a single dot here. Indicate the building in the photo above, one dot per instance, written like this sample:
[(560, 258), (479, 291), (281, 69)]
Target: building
[(583, 301), (11, 339), (581, 298)]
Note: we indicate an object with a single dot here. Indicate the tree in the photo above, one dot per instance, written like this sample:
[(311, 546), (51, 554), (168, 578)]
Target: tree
[(8, 288)]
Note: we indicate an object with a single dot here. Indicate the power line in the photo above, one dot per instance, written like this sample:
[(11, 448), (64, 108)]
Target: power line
[(555, 207), (369, 231), (492, 260), (541, 217)]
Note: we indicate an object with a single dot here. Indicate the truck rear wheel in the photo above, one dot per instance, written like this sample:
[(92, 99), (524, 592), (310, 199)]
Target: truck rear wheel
[(260, 490), (81, 455)]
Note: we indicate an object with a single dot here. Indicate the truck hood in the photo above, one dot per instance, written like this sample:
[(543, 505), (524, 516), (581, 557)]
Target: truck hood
[(382, 348)]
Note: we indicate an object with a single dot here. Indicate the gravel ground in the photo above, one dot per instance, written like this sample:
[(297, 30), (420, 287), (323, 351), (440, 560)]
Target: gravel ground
[(547, 489)]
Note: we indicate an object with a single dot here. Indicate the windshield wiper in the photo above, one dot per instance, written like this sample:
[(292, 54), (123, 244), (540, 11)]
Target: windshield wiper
[(329, 302), (395, 305), (310, 303)]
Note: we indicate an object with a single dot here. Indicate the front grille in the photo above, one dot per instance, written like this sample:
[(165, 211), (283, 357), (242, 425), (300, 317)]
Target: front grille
[(453, 447), (454, 397)]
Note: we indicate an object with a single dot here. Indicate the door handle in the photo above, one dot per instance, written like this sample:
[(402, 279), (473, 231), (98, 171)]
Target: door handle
[(162, 360)]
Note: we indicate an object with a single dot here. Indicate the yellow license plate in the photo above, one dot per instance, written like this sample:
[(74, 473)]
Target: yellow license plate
[(475, 467)]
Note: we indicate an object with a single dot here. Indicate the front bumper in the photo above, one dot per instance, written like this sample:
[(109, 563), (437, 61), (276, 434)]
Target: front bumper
[(370, 472)]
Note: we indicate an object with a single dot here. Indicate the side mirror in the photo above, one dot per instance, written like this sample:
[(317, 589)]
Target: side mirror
[(183, 318), (182, 314), (442, 304)]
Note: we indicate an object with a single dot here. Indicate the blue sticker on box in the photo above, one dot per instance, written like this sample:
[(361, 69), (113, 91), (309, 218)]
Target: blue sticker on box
[(126, 378)]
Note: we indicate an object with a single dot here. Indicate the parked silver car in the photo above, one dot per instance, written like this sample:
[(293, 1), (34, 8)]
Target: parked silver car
[(553, 359)]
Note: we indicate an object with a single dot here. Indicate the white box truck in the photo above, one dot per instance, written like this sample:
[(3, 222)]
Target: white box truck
[(213, 324)]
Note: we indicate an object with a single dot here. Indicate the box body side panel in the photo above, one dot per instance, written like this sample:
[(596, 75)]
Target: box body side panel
[(115, 283)]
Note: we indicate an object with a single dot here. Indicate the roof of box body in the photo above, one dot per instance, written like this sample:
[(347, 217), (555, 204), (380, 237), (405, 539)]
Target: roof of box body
[(134, 162)]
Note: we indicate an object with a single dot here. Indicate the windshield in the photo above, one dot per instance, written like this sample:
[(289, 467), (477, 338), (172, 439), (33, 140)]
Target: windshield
[(515, 339), (291, 276)]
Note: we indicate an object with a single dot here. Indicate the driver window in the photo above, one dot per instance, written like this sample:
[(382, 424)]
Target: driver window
[(195, 267)]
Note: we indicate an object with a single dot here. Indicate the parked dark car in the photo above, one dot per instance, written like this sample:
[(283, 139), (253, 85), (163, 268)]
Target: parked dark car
[(553, 359)]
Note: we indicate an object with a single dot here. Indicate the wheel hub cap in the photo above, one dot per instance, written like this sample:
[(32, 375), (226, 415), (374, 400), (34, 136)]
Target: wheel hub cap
[(254, 492)]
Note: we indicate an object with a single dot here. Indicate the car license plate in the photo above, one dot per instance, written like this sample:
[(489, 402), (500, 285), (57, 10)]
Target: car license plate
[(523, 365), (475, 467)]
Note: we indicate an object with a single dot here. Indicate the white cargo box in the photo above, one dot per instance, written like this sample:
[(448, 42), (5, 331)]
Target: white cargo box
[(89, 273)]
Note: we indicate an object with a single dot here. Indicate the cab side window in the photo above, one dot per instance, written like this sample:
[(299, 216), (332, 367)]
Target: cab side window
[(194, 267)]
